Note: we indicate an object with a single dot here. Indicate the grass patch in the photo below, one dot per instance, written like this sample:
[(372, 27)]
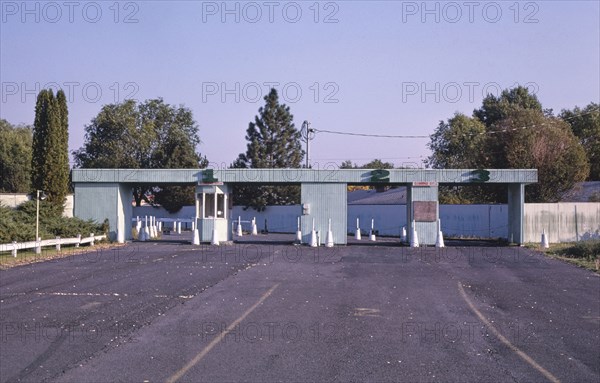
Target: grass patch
[(584, 254), (25, 257)]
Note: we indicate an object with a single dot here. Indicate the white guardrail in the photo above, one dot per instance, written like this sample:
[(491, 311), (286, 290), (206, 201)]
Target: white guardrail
[(58, 242)]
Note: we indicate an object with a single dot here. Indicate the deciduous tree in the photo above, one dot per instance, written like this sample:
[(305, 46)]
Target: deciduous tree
[(15, 158), (585, 124), (148, 135)]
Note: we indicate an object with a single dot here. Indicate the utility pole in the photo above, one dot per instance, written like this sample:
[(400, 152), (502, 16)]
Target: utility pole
[(308, 134)]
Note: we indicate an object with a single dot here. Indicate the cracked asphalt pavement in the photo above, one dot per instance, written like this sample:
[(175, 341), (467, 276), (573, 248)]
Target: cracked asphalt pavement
[(270, 312)]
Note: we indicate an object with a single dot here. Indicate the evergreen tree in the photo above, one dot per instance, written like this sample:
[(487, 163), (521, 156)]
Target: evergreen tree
[(273, 142), (50, 154), (40, 138)]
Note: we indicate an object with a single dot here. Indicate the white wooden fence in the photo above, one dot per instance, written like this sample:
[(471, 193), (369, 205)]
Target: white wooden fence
[(57, 242)]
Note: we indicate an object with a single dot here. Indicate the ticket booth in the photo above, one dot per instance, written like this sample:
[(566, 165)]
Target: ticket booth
[(213, 208)]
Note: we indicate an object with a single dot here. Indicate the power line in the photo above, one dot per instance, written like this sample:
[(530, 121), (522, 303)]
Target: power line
[(428, 136), (366, 134)]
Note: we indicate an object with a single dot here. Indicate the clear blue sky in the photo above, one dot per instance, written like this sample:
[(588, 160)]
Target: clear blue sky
[(382, 67)]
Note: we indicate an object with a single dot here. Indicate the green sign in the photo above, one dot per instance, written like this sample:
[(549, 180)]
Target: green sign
[(480, 175), (208, 176), (380, 175)]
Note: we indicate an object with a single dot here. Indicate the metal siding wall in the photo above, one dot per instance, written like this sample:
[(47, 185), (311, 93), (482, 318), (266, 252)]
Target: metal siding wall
[(516, 200), (426, 231), (326, 201), (98, 201)]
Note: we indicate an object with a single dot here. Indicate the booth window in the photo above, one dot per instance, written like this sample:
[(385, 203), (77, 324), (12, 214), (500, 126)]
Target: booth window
[(220, 205), (209, 205)]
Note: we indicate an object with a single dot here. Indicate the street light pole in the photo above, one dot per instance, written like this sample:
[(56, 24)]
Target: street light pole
[(37, 214), (38, 197)]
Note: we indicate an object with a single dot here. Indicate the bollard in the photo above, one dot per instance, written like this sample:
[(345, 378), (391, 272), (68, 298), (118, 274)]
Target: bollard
[(92, 242), (239, 227), (215, 237), (298, 233), (196, 240), (403, 234), (414, 237), (313, 235), (544, 243), (38, 246), (357, 234), (439, 241), (78, 240), (58, 244), (254, 228), (14, 250), (329, 238), (372, 233)]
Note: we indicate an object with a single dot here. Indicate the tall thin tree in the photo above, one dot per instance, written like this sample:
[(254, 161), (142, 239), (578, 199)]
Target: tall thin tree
[(50, 155)]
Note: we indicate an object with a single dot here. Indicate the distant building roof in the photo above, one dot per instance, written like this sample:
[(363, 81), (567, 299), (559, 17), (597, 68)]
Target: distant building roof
[(581, 192), (395, 196)]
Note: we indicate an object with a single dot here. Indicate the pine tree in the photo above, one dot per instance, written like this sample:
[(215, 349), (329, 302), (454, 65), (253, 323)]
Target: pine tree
[(273, 142)]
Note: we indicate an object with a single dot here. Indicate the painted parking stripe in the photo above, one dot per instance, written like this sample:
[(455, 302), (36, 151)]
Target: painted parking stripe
[(176, 376), (503, 339)]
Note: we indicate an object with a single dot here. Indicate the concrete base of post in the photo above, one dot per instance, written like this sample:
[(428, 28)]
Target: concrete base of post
[(313, 239), (544, 242), (215, 238)]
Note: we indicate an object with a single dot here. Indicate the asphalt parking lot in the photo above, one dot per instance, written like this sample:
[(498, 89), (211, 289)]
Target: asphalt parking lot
[(270, 312)]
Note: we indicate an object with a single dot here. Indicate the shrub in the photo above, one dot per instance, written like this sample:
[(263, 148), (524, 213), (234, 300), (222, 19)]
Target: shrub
[(19, 224), (589, 250)]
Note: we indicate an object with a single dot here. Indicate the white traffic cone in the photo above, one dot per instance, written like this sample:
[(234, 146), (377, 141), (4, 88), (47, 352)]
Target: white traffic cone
[(238, 231), (414, 238), (403, 234), (544, 243), (254, 228), (439, 241), (357, 234), (313, 235), (329, 239), (196, 240), (299, 233), (372, 233)]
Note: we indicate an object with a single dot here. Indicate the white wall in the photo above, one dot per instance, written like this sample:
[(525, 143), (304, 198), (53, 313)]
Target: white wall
[(187, 212), (13, 200), (467, 221), (280, 219), (563, 222)]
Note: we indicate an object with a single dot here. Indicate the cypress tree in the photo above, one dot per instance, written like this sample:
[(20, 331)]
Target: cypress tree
[(50, 156), (40, 133)]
